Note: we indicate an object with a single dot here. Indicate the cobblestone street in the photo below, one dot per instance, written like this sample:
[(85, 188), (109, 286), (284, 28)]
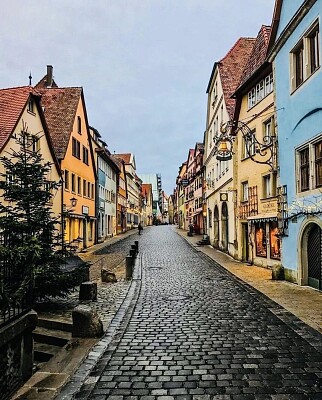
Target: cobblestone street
[(188, 329)]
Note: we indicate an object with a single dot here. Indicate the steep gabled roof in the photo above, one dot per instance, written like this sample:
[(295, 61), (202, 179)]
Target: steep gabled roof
[(231, 68), (12, 104), (258, 54), (60, 107)]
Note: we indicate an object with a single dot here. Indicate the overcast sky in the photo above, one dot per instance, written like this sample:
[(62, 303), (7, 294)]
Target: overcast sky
[(144, 64)]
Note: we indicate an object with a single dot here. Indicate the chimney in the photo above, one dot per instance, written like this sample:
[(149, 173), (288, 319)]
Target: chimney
[(49, 79)]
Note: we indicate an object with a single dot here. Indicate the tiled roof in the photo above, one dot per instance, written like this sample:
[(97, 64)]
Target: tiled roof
[(126, 157), (231, 68), (60, 106), (42, 84), (258, 54), (12, 103), (146, 187)]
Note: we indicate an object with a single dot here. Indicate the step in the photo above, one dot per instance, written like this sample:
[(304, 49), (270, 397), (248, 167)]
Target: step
[(57, 324), (44, 352), (50, 336)]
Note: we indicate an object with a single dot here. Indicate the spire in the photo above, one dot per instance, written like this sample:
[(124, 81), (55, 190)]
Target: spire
[(30, 78)]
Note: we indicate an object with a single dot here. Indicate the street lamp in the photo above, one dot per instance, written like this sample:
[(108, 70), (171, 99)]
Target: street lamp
[(259, 152)]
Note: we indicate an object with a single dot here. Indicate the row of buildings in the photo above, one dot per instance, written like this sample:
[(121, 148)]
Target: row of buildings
[(253, 185), (100, 194)]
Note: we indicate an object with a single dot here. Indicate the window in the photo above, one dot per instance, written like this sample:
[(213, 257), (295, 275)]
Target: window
[(305, 57), (244, 191), (35, 144), (31, 106), (88, 189), (260, 239), (266, 186), (318, 164), (274, 241), (85, 155), (269, 128), (92, 190), (249, 145), (79, 125), (79, 185), (66, 180), (304, 169), (313, 44), (73, 183), (261, 90), (84, 188), (76, 148)]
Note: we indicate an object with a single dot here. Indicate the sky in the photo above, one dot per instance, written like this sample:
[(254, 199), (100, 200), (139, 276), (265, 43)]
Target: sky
[(144, 65)]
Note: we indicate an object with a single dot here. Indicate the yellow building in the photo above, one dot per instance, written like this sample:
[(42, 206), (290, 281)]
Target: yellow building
[(66, 118), (121, 196), (21, 111), (255, 172)]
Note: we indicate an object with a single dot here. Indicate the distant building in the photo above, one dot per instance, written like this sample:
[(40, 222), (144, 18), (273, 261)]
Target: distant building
[(155, 181)]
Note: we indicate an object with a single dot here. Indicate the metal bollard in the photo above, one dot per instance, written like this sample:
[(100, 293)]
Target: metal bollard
[(133, 247), (136, 242), (129, 267)]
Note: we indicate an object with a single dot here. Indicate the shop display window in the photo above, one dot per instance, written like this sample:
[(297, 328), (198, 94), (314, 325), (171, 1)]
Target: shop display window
[(275, 241), (260, 239)]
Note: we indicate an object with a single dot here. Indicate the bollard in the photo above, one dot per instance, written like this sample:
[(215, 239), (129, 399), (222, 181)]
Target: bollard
[(132, 253), (133, 247), (129, 267), (136, 242)]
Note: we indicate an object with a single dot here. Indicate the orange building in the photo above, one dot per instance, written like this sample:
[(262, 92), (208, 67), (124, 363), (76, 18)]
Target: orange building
[(66, 117)]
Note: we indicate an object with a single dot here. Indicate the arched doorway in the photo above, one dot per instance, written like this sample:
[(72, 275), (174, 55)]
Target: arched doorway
[(216, 227), (224, 226), (313, 248)]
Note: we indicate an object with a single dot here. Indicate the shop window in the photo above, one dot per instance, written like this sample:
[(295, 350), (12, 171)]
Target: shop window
[(260, 239), (274, 240)]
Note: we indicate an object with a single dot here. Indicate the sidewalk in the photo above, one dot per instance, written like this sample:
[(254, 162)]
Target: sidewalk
[(302, 301)]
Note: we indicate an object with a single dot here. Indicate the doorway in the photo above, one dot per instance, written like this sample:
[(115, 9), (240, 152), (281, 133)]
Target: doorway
[(314, 257)]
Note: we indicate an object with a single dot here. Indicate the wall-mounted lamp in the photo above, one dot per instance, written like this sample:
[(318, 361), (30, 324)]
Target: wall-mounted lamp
[(260, 152)]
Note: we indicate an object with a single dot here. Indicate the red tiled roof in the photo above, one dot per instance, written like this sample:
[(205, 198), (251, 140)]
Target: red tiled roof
[(60, 106), (146, 188), (12, 103), (258, 54), (231, 68), (126, 157)]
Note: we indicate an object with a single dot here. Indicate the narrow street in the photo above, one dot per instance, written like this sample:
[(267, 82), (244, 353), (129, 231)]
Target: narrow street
[(188, 329)]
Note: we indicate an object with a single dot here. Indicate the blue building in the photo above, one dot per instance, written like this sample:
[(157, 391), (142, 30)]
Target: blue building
[(296, 52)]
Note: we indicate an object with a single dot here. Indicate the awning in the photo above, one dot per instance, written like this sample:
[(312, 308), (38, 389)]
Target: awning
[(263, 217)]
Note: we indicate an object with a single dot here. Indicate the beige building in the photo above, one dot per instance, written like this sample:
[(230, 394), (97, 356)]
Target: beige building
[(256, 171), (219, 194), (21, 112)]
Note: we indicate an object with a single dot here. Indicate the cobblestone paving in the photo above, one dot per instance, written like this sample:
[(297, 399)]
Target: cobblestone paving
[(196, 332)]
